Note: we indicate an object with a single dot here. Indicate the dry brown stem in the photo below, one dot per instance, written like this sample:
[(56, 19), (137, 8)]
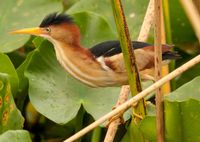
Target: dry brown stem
[(158, 67)]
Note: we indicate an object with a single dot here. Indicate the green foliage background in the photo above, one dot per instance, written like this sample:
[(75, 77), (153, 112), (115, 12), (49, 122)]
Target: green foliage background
[(35, 88)]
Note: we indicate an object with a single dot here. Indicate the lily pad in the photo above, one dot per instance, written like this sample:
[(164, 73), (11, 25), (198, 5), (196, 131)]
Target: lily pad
[(22, 14)]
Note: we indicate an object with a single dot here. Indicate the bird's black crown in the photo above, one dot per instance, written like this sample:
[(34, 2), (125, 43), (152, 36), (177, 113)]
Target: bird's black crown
[(55, 19)]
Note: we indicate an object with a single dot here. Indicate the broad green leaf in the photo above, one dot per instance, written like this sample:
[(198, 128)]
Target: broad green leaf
[(134, 10), (182, 116), (22, 14), (10, 117), (7, 67), (16, 57), (15, 136)]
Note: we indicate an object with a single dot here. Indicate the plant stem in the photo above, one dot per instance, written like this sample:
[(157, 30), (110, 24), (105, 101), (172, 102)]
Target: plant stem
[(168, 34), (130, 64), (112, 129), (147, 23), (128, 54), (96, 135), (158, 67)]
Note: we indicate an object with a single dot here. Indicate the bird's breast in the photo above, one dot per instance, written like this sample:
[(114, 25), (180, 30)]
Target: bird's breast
[(86, 69)]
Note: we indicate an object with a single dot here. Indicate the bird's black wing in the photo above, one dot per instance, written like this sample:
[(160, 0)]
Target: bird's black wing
[(110, 48)]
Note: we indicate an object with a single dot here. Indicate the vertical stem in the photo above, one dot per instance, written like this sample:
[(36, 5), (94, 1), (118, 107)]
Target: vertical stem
[(129, 57), (158, 60), (112, 129), (125, 90), (168, 33), (166, 88), (96, 135), (130, 64), (166, 16), (147, 22)]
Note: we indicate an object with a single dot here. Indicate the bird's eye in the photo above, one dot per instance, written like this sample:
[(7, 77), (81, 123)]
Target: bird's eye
[(48, 30)]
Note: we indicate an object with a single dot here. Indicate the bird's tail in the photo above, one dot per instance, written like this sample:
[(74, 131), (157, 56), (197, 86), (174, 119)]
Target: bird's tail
[(168, 54)]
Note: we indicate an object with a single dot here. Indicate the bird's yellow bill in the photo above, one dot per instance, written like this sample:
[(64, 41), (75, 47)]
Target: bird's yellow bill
[(32, 31)]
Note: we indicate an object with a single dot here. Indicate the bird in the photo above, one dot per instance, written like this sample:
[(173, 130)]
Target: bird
[(99, 66)]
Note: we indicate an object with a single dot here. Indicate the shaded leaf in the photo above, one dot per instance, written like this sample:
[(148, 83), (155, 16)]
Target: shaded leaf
[(182, 31), (10, 117), (15, 136), (23, 83)]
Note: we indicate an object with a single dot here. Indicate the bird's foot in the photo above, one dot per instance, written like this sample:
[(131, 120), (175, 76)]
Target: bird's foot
[(137, 116)]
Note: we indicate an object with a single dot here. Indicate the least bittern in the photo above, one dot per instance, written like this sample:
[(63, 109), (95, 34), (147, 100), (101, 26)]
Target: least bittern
[(101, 65)]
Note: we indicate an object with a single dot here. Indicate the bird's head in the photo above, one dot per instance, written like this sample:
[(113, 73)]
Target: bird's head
[(56, 28)]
